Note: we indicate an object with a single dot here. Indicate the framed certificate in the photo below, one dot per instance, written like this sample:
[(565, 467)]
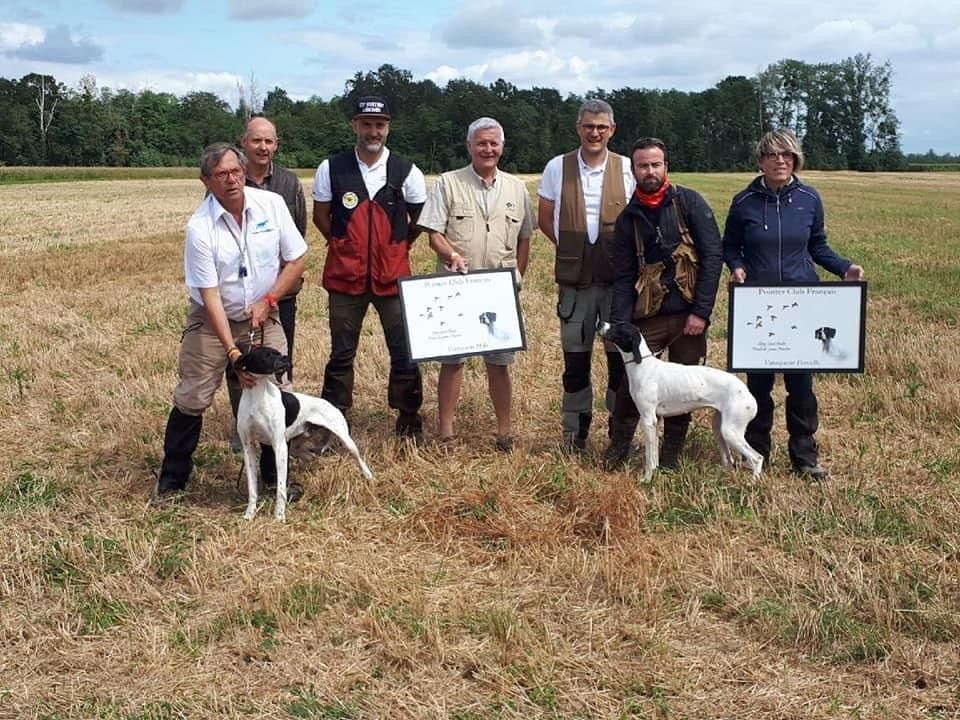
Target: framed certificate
[(454, 315), (793, 327)]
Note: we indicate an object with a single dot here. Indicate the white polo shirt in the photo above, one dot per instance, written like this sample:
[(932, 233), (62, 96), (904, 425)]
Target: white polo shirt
[(591, 179), (374, 177), (243, 262)]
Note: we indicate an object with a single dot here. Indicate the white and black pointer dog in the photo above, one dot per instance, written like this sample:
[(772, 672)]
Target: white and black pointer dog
[(665, 389), (272, 417)]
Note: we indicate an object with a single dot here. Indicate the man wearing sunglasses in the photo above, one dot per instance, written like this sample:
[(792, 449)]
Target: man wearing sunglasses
[(581, 195), (235, 243)]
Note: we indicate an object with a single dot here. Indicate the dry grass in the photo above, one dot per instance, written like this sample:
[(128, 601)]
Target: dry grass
[(462, 584)]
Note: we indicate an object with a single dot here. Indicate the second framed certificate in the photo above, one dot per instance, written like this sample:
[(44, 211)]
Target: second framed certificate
[(797, 328)]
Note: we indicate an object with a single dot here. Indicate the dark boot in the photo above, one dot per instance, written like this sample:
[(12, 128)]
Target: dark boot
[(179, 443), (577, 441), (410, 425), (268, 467), (623, 426), (674, 437), (621, 443)]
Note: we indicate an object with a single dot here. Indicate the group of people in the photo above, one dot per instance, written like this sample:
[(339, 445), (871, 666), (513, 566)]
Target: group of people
[(630, 246)]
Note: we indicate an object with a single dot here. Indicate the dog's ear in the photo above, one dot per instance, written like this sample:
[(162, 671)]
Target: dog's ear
[(830, 332), (281, 365), (637, 355), (619, 335)]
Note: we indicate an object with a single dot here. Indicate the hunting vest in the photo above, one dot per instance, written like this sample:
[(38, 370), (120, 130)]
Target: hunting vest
[(485, 237), (369, 249), (676, 273), (578, 263)]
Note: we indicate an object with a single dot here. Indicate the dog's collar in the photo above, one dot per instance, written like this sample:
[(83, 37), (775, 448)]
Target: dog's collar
[(637, 358)]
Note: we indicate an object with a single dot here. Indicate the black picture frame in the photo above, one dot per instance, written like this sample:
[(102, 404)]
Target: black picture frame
[(450, 315), (797, 327)]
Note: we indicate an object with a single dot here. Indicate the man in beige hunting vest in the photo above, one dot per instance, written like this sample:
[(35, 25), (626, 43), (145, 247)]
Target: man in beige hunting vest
[(479, 217)]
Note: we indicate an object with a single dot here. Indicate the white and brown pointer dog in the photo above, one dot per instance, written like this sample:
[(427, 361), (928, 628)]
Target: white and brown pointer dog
[(272, 417), (665, 389)]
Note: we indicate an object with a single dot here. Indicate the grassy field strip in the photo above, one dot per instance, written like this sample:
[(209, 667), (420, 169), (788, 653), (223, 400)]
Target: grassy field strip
[(462, 584)]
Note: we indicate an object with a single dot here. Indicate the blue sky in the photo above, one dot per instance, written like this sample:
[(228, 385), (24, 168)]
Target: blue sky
[(311, 47)]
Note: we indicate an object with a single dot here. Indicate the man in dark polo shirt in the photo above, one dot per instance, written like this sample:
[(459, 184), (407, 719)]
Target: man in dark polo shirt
[(259, 143)]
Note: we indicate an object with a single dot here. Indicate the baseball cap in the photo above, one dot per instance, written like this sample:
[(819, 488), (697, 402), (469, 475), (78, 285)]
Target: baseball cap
[(371, 106)]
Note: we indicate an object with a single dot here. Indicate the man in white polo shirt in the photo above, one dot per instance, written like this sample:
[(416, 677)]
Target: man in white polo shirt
[(234, 244), (581, 195)]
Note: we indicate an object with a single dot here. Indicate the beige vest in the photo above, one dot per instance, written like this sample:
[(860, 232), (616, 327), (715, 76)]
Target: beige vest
[(485, 241)]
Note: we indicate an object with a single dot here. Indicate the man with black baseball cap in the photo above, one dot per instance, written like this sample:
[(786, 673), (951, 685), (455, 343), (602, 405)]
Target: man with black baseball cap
[(366, 202)]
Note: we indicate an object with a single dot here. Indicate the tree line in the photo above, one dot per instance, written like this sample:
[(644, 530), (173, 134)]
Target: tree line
[(840, 110)]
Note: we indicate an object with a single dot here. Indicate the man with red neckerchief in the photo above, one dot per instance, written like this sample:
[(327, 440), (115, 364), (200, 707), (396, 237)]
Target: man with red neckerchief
[(666, 257)]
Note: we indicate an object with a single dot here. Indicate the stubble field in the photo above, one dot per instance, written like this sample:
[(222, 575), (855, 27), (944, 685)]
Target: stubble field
[(462, 583)]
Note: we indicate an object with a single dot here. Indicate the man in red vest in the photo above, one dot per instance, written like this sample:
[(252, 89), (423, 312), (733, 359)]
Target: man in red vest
[(366, 202)]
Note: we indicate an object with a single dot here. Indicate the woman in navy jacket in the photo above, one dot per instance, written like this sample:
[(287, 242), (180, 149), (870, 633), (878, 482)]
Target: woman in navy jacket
[(775, 233)]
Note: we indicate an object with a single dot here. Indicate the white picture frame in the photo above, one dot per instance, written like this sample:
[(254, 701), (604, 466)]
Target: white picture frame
[(451, 315)]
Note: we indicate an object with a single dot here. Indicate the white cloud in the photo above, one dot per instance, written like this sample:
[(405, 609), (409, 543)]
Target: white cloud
[(949, 40), (490, 26), (59, 46), (15, 35), (442, 75), (148, 7)]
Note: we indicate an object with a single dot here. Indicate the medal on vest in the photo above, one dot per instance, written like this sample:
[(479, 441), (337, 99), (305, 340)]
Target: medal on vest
[(350, 200)]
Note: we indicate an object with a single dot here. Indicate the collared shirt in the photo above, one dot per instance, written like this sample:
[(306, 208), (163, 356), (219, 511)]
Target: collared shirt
[(591, 179), (481, 222), (287, 185), (374, 177), (487, 194), (242, 261)]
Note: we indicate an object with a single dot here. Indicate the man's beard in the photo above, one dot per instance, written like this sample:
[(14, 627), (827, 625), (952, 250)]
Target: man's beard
[(651, 185)]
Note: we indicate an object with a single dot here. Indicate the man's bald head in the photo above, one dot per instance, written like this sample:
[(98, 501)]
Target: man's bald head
[(260, 143)]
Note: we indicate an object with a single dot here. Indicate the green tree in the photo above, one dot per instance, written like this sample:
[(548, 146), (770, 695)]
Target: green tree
[(20, 142)]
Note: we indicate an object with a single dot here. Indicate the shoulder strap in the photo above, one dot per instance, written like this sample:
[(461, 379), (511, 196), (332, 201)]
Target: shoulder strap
[(638, 241), (398, 168), (681, 214)]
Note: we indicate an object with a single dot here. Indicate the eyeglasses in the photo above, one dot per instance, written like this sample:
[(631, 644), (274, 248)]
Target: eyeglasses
[(600, 129), (780, 155), (222, 175)]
